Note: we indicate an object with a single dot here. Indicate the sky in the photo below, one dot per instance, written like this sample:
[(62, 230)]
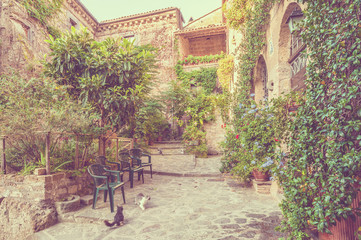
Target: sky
[(110, 9)]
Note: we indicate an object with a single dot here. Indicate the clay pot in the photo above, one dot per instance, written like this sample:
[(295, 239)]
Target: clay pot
[(260, 176), (345, 228)]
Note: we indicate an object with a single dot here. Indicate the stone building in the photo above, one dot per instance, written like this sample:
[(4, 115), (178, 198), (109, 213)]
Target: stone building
[(23, 37), (280, 67), (205, 36)]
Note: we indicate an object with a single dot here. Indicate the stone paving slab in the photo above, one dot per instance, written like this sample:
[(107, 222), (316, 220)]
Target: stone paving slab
[(180, 208), (190, 199), (186, 165)]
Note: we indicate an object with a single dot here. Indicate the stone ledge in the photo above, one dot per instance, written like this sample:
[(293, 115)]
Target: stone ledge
[(262, 187)]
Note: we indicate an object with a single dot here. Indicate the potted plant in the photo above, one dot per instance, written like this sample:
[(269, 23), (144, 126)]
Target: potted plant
[(256, 140)]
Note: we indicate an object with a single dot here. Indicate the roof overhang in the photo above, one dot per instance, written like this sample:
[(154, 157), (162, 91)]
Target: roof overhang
[(202, 31)]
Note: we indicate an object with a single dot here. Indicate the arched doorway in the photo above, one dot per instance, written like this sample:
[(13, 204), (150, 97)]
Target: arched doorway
[(261, 80)]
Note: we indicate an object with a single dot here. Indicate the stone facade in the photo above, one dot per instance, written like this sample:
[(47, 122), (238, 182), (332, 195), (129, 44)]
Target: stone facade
[(154, 28), (276, 54), (23, 37), (273, 74), (23, 45), (214, 134), (204, 36)]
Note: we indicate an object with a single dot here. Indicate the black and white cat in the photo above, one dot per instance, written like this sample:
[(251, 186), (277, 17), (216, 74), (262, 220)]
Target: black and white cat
[(141, 200), (118, 218)]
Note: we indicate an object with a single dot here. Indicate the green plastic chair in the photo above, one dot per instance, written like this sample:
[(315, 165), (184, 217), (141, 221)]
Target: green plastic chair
[(102, 181), (104, 161), (132, 166), (137, 153)]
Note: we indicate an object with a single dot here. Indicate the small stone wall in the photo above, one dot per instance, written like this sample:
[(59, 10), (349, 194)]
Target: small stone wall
[(27, 202), (52, 187), (44, 187)]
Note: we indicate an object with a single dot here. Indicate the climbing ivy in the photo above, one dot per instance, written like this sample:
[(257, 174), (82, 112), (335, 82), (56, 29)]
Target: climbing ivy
[(225, 71), (43, 10), (192, 95), (249, 17), (204, 77), (323, 173)]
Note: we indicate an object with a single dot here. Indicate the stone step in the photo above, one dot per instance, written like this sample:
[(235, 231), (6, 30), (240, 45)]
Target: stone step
[(167, 148), (167, 151), (167, 145), (262, 187)]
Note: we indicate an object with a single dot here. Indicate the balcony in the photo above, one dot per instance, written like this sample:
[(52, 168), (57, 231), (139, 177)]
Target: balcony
[(297, 63)]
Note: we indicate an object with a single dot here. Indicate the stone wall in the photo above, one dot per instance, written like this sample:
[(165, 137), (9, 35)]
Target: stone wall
[(275, 54), (214, 134), (27, 202), (207, 45), (20, 218), (44, 187), (214, 17), (22, 38), (154, 28)]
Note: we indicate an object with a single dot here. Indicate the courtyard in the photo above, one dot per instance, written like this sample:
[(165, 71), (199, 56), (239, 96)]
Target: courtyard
[(194, 203)]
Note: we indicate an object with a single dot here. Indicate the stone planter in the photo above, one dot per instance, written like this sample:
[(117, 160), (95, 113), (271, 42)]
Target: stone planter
[(69, 204)]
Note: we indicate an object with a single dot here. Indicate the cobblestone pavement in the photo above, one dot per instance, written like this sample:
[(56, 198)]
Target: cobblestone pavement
[(181, 208)]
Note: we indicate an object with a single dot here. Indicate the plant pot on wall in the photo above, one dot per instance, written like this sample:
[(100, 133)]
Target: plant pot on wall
[(345, 228), (260, 176)]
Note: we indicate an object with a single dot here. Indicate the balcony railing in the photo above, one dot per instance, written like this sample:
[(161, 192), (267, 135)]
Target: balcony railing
[(297, 60), (298, 64)]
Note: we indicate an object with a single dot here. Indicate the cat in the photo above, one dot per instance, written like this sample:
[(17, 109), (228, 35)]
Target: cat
[(141, 200), (118, 218)]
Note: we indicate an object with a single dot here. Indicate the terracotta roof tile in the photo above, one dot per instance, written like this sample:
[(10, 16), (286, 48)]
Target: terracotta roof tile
[(140, 15), (211, 26)]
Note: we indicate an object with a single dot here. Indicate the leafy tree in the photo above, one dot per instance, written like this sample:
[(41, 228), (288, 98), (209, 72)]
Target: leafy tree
[(112, 76), (150, 121), (29, 108)]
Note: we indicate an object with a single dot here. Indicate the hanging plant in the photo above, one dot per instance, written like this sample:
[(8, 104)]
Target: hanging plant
[(225, 71)]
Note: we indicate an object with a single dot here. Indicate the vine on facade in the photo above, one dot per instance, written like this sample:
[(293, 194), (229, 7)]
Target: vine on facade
[(192, 96), (43, 10), (323, 173), (249, 17)]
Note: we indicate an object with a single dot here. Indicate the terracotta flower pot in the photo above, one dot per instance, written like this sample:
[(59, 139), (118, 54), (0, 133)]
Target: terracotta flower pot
[(260, 176), (345, 228)]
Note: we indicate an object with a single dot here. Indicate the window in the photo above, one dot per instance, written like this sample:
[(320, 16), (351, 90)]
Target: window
[(30, 35), (297, 60), (73, 23), (131, 36)]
